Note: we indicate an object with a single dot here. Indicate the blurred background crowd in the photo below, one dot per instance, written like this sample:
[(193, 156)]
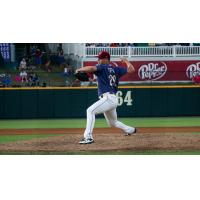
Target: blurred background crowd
[(36, 64)]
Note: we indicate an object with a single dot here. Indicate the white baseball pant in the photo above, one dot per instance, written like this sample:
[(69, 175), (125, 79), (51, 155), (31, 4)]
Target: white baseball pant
[(107, 105)]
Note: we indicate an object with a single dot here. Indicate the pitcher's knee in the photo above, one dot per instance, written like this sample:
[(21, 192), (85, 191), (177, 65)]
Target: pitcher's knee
[(89, 111)]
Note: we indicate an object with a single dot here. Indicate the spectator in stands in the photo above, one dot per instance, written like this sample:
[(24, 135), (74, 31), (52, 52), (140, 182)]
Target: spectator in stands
[(24, 77), (113, 44), (28, 61), (1, 79), (59, 49), (38, 57), (66, 71), (93, 45), (76, 83), (22, 65), (122, 44), (184, 44), (152, 44), (160, 44), (137, 44), (30, 78), (196, 44), (7, 80), (48, 66), (32, 51), (177, 45), (60, 53), (35, 80)]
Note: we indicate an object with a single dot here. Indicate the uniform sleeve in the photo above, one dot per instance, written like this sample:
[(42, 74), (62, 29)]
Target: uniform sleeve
[(122, 71), (99, 69)]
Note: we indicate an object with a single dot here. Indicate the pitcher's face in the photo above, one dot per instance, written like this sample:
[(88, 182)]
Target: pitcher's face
[(103, 61)]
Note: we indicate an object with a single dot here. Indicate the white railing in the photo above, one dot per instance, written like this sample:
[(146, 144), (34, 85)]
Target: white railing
[(162, 51), (114, 51), (152, 51), (188, 51)]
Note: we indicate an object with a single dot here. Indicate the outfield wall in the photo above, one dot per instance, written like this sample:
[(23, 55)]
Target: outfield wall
[(138, 101)]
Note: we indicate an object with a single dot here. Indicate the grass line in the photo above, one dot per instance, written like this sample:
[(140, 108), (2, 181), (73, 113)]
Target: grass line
[(100, 122), (15, 138)]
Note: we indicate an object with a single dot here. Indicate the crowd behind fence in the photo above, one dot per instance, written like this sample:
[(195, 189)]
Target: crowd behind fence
[(57, 69), (61, 79), (51, 70)]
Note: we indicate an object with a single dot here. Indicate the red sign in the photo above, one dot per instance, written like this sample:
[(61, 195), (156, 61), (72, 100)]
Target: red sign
[(159, 70)]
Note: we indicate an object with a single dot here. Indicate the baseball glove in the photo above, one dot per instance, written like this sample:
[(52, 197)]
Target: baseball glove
[(82, 76)]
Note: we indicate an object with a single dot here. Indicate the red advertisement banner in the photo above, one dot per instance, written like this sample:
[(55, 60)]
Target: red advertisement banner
[(159, 70)]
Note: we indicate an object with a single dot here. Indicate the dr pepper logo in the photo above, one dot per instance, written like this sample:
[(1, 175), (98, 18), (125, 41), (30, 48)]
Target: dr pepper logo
[(152, 71), (193, 70)]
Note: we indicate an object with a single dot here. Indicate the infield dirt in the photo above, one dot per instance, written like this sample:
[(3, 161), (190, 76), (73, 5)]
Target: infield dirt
[(106, 139)]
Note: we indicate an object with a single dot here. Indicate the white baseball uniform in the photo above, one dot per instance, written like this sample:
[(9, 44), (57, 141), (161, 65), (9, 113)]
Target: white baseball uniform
[(108, 79)]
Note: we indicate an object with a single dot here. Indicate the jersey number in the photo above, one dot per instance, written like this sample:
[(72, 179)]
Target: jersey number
[(112, 79), (127, 99)]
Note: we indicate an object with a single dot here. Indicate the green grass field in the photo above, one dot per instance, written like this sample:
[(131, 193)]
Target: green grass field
[(100, 123), (15, 138)]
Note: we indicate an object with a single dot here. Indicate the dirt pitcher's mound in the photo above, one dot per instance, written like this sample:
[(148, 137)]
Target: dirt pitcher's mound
[(96, 130), (111, 140)]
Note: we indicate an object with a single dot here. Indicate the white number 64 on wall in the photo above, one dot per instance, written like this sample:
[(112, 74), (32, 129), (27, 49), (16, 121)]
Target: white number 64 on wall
[(127, 99)]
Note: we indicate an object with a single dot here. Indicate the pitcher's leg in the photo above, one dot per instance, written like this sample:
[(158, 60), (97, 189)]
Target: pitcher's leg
[(111, 118), (90, 122), (100, 106)]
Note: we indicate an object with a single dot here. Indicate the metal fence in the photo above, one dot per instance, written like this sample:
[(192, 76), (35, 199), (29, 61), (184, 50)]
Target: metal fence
[(162, 51)]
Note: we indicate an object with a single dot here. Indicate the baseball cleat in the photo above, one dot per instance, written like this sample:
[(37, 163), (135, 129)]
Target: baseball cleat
[(132, 133), (86, 141)]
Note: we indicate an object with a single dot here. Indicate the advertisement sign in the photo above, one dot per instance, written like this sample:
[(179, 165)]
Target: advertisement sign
[(159, 70)]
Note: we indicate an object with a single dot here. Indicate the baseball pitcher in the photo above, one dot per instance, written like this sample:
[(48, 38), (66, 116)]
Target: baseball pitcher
[(107, 79)]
